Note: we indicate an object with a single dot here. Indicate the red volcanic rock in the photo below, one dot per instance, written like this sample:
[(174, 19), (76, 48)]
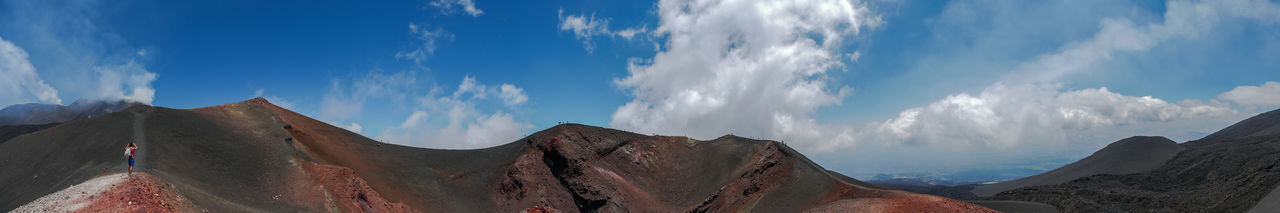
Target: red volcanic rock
[(349, 192), (139, 193), (541, 209)]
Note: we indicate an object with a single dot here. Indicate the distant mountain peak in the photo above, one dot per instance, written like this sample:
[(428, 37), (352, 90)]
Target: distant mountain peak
[(37, 113)]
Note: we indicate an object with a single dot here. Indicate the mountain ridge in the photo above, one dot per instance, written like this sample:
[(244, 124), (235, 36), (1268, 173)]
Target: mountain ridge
[(253, 155), (1126, 156), (36, 113), (1232, 170)]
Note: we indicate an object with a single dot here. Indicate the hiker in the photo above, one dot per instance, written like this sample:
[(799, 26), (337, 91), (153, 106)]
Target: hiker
[(128, 151)]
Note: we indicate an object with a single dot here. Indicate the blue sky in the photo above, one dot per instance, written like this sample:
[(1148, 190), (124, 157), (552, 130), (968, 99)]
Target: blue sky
[(854, 84)]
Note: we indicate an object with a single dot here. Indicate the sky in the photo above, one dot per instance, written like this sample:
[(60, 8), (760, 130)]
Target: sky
[(861, 87)]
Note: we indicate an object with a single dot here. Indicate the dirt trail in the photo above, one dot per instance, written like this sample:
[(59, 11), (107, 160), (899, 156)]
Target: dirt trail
[(139, 137), (74, 197)]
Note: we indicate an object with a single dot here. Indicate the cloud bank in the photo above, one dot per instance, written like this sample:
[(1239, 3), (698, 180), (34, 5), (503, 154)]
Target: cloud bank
[(1267, 94), (76, 57), (21, 83), (458, 121), (472, 115), (758, 69)]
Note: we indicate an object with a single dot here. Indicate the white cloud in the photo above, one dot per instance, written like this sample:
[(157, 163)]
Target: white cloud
[(586, 27), (758, 69), (465, 124), (1181, 20), (472, 115), (512, 95), (345, 102), (76, 55), (469, 85), (1267, 94), (428, 39), (754, 68), (129, 81), (1012, 116), (451, 6), (1028, 107), (414, 119), (21, 83)]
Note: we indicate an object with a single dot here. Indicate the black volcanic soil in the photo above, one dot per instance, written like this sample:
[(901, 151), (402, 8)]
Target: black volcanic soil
[(1261, 125), (13, 131), (1228, 171), (254, 156), (43, 162), (1127, 156)]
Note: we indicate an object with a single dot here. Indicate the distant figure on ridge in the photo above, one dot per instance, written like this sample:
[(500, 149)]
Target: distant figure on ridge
[(128, 151)]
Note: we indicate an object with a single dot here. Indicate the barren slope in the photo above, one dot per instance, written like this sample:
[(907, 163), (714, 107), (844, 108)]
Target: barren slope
[(1130, 155), (254, 156), (1228, 171)]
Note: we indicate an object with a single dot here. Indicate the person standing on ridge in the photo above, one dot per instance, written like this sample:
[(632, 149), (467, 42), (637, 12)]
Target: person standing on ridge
[(128, 151)]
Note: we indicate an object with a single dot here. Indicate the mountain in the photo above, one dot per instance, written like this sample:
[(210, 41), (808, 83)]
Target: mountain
[(1260, 125), (33, 113), (255, 156), (1232, 170), (10, 132), (1130, 155)]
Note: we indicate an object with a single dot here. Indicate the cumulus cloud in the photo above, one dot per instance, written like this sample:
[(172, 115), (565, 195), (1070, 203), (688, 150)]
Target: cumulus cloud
[(21, 83), (585, 27), (752, 68), (512, 95), (472, 115), (1029, 107), (451, 6), (74, 54), (758, 69), (427, 39), (1267, 94), (1010, 116), (463, 123)]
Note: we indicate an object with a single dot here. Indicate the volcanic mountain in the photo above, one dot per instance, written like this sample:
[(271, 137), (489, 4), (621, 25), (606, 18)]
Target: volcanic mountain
[(1131, 155), (26, 118), (1232, 170), (255, 156), (34, 114)]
